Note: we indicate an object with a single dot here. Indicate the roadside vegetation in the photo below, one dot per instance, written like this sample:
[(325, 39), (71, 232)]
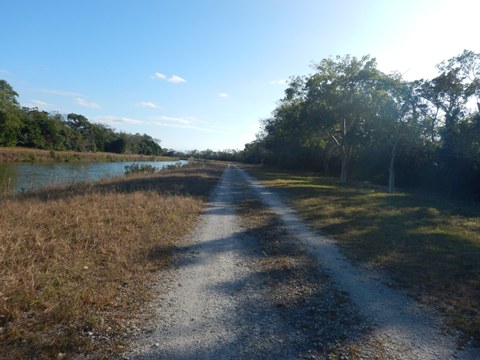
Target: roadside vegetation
[(351, 120), (19, 154), (32, 128), (75, 261), (428, 245)]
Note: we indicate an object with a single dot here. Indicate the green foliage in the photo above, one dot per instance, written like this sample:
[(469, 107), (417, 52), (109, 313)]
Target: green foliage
[(350, 119), (9, 115), (52, 131), (140, 169)]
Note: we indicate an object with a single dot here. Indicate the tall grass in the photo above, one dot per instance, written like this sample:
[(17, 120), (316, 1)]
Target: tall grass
[(75, 261), (429, 245)]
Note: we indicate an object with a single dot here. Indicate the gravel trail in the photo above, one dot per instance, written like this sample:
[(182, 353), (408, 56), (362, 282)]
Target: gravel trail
[(222, 299)]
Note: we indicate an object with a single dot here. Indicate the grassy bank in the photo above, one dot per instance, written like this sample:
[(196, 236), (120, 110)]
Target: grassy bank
[(429, 245), (17, 154), (75, 261)]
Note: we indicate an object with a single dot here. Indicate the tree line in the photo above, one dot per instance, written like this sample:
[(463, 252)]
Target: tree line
[(350, 119), (32, 128), (231, 155)]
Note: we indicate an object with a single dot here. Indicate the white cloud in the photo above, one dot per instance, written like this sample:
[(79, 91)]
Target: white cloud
[(41, 104), (159, 75), (182, 123), (112, 119), (4, 72), (278, 82), (223, 95), (148, 105), (161, 120), (87, 104), (62, 93), (174, 79), (184, 126)]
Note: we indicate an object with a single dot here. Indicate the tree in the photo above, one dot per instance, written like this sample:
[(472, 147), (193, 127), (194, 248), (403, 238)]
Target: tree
[(452, 90), (10, 122), (340, 102)]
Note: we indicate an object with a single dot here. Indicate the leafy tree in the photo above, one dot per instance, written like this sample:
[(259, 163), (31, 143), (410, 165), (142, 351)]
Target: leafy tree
[(422, 133), (10, 122), (340, 103), (118, 145)]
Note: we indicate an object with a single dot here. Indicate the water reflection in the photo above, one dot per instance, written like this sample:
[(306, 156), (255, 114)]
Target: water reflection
[(17, 177)]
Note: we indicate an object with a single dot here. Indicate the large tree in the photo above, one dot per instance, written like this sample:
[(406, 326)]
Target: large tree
[(340, 102)]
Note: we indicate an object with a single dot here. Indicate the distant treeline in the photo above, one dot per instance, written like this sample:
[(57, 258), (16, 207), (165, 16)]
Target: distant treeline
[(32, 128), (349, 119), (221, 155)]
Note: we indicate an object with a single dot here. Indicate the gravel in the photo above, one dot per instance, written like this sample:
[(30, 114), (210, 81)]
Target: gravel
[(236, 293)]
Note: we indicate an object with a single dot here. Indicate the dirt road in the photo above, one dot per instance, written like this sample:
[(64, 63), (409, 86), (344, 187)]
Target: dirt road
[(243, 289)]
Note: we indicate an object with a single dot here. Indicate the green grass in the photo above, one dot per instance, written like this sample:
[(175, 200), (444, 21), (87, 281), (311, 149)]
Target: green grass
[(430, 246)]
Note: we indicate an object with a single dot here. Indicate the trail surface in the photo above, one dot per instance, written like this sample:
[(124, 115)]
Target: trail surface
[(223, 299)]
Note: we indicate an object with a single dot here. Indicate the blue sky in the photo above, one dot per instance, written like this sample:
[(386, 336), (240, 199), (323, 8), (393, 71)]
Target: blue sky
[(201, 74)]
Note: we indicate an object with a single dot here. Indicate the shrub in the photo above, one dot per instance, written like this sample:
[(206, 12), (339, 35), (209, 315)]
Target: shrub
[(140, 169)]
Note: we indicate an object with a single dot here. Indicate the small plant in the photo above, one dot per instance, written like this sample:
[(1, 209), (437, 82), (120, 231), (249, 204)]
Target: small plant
[(173, 166), (140, 169)]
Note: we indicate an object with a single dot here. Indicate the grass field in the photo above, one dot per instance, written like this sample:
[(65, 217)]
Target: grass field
[(17, 154), (428, 245), (75, 262)]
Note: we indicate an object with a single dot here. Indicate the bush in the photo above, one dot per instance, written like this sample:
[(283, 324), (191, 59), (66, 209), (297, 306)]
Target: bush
[(140, 169)]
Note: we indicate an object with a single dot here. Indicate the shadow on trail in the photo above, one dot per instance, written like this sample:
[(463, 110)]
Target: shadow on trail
[(285, 307)]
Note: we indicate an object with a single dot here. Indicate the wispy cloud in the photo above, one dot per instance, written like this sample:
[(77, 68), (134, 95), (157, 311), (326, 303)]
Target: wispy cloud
[(223, 95), (61, 93), (173, 120), (182, 123), (87, 104), (148, 105), (40, 104), (4, 72), (174, 79), (182, 126), (159, 75), (112, 119), (278, 82)]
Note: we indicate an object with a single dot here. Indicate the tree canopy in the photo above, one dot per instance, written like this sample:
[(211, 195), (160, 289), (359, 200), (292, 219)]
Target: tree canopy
[(350, 119), (30, 127)]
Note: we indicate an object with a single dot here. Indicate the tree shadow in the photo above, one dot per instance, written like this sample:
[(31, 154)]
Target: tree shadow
[(417, 238), (287, 307)]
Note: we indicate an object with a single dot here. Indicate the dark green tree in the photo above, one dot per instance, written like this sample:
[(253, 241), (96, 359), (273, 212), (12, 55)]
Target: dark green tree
[(10, 120)]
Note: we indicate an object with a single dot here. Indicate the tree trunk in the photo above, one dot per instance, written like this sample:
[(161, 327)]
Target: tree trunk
[(346, 155), (391, 177), (326, 166), (344, 175)]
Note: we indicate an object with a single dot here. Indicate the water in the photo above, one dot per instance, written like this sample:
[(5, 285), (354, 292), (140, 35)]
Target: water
[(18, 177)]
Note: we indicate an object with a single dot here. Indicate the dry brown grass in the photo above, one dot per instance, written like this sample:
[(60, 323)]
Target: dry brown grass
[(18, 154), (75, 262)]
